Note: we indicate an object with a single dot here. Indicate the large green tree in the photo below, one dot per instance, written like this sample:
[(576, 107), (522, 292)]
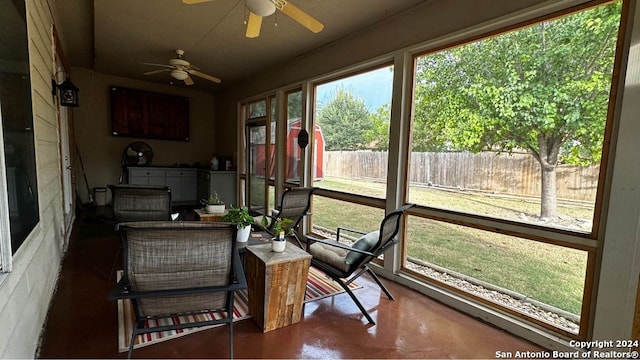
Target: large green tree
[(344, 120), (294, 105), (376, 137), (544, 89)]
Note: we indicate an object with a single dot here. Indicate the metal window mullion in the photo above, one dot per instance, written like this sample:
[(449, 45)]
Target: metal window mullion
[(5, 232), (281, 143), (399, 142)]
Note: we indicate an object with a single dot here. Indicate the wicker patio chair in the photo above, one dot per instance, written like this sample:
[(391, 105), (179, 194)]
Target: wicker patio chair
[(179, 268), (294, 205), (140, 202), (344, 263)]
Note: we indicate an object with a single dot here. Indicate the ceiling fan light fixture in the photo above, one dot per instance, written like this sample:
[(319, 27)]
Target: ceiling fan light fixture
[(178, 62), (179, 74), (180, 69), (261, 7)]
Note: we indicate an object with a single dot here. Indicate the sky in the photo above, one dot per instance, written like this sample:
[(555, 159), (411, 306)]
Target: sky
[(374, 87)]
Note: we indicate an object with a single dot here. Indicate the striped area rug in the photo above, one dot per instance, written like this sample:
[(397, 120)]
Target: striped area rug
[(319, 286)]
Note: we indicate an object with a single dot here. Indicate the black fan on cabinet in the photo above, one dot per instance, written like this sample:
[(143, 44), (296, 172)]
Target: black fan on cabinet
[(136, 154)]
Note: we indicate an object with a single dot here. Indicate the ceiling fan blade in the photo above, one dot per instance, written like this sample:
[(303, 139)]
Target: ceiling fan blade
[(163, 65), (204, 76), (155, 71), (301, 17), (133, 153), (188, 80), (254, 25), (189, 2)]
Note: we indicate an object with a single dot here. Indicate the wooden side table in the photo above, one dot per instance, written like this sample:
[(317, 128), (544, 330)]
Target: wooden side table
[(277, 283), (202, 215)]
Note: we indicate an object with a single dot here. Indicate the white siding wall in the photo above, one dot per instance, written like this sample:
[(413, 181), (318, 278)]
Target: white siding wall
[(25, 293)]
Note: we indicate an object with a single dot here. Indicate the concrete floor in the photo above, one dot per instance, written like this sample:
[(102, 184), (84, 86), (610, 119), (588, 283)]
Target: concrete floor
[(82, 322)]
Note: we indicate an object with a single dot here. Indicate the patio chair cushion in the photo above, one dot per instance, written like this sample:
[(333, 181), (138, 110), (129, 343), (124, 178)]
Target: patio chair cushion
[(331, 255), (366, 243)]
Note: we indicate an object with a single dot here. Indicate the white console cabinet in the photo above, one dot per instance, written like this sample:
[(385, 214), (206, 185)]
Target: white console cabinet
[(146, 176), (183, 182)]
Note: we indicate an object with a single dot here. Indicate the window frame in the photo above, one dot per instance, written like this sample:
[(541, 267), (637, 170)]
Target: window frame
[(572, 237), (346, 73), (284, 133), (359, 199), (246, 122), (7, 252), (586, 241)]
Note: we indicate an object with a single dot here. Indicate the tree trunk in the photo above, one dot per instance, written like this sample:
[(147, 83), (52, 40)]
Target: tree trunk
[(549, 148), (548, 198)]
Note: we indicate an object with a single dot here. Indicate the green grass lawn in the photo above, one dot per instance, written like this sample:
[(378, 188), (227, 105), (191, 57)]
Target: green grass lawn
[(550, 274)]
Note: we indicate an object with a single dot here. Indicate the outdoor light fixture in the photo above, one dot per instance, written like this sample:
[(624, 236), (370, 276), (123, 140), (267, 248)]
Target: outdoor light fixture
[(68, 93)]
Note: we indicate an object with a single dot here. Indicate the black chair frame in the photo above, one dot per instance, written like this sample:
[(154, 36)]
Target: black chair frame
[(344, 278)]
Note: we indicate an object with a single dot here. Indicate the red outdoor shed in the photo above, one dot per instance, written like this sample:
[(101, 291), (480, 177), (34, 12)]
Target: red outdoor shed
[(294, 154)]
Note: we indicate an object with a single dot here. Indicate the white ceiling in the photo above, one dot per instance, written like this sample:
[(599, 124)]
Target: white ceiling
[(117, 36)]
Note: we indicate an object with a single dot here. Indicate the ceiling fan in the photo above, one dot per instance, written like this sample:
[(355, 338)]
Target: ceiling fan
[(261, 8), (181, 69)]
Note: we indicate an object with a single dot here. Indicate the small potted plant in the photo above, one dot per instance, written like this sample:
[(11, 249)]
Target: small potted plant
[(213, 205), (281, 228), (240, 217)]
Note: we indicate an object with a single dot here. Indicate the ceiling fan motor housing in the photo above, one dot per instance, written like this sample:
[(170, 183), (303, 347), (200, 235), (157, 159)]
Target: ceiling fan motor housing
[(179, 62), (261, 7)]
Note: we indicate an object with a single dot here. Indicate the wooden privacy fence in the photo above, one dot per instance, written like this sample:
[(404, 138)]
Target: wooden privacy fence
[(515, 174)]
